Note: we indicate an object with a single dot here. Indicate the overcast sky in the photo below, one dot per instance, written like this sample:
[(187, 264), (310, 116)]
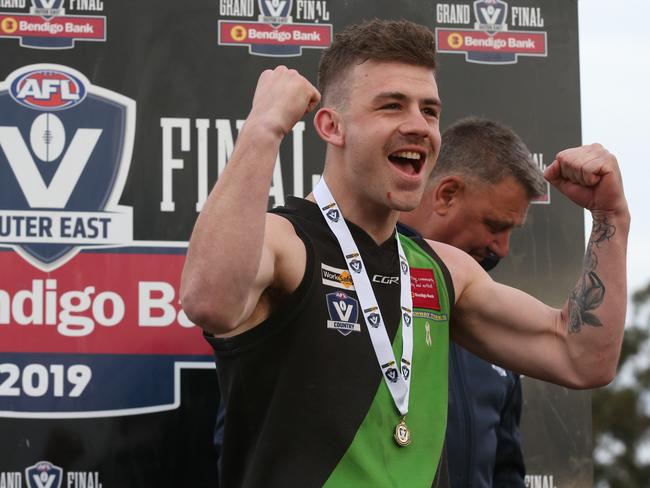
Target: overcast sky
[(615, 90)]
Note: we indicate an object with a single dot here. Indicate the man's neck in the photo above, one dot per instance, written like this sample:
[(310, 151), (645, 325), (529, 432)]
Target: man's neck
[(422, 222), (376, 220)]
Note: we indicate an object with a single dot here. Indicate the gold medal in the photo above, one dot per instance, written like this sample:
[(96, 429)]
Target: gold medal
[(402, 434)]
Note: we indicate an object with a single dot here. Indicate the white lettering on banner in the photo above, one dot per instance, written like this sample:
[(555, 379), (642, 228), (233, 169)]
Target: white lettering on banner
[(71, 28), (521, 44), (77, 313), (169, 163), (526, 17), (165, 313), (306, 36), (49, 28), (539, 160), (452, 13), (202, 126), (12, 4), (173, 127), (236, 8), (539, 481), (87, 5), (52, 227), (35, 380), (312, 10), (44, 89), (11, 479), (81, 479), (483, 42)]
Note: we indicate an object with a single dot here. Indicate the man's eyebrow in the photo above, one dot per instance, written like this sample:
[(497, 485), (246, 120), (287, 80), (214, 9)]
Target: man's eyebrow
[(401, 97), (503, 223)]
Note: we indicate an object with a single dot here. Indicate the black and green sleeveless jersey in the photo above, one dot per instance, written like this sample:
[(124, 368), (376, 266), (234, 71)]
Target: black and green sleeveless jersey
[(305, 402)]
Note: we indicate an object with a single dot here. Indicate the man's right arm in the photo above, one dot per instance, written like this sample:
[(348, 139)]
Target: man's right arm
[(237, 251)]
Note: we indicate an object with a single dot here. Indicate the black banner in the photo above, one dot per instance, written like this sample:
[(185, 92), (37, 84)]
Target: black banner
[(115, 121)]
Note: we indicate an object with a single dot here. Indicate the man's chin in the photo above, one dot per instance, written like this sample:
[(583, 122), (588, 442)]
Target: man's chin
[(404, 201)]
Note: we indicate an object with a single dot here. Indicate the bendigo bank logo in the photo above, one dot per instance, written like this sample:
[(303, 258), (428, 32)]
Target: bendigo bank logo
[(65, 152), (47, 26), (275, 33), (491, 41)]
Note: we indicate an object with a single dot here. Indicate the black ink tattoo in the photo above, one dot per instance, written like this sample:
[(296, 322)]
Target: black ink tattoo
[(589, 293)]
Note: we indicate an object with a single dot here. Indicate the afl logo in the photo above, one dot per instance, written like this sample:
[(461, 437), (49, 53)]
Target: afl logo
[(48, 90)]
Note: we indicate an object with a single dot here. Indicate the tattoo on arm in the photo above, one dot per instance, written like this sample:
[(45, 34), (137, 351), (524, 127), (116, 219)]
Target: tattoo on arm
[(589, 293)]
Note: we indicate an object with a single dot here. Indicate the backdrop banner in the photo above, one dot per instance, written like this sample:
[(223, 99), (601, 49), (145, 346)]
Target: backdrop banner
[(116, 119)]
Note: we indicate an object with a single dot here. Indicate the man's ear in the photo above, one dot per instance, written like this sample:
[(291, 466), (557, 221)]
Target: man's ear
[(449, 191), (327, 122)]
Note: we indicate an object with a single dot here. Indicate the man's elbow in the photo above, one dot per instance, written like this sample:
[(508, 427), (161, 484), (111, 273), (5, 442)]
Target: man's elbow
[(208, 314), (598, 376)]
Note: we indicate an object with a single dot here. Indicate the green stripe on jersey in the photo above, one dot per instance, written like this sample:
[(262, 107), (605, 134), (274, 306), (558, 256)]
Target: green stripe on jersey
[(373, 459)]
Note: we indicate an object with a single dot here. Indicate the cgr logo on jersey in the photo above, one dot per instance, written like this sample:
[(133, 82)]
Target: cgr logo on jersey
[(275, 33), (491, 41), (344, 313), (65, 152), (47, 26), (44, 475)]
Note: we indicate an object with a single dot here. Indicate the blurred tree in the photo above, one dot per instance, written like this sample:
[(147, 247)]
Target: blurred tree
[(621, 411)]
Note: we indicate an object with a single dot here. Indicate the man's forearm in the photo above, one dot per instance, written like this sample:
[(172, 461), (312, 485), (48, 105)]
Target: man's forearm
[(595, 310)]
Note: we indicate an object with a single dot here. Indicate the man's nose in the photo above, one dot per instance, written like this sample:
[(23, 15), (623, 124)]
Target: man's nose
[(501, 244), (415, 123)]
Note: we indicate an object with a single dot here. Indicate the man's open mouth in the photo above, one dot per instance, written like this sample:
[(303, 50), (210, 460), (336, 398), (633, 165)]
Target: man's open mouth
[(409, 162)]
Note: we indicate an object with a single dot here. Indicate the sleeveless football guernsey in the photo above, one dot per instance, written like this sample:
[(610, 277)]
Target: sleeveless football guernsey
[(305, 401)]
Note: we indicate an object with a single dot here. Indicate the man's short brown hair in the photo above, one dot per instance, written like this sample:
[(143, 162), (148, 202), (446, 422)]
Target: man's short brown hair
[(486, 152), (375, 40)]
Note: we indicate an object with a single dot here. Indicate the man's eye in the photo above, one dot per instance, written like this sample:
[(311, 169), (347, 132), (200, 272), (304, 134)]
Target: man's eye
[(391, 106), (495, 227), (430, 112)]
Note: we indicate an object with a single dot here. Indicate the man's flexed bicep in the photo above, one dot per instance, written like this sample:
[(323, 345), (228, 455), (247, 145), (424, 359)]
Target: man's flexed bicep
[(506, 326), (220, 298)]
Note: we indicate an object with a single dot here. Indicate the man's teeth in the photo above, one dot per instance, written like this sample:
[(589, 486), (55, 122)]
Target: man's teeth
[(408, 155)]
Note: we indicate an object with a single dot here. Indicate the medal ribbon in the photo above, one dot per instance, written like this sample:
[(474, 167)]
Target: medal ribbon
[(397, 376)]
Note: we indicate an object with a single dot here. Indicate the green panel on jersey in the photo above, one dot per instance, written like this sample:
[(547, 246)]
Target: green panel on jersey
[(374, 459)]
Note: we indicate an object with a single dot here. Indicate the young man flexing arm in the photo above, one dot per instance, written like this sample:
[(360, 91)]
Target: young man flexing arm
[(240, 258), (284, 378), (577, 346)]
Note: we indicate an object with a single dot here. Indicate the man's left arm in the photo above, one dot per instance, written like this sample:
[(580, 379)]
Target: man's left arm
[(577, 346)]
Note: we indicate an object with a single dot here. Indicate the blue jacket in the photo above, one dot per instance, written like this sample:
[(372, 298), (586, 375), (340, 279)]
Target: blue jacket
[(483, 441)]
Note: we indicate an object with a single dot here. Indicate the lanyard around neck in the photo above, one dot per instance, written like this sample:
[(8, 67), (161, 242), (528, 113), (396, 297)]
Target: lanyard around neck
[(397, 376)]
